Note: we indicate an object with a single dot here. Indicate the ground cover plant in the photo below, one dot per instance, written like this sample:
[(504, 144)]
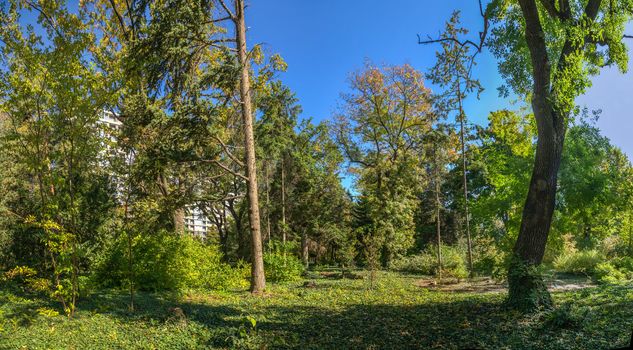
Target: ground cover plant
[(333, 313)]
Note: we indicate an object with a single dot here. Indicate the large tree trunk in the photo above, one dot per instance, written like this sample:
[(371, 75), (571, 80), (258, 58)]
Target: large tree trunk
[(178, 218), (527, 290), (258, 280)]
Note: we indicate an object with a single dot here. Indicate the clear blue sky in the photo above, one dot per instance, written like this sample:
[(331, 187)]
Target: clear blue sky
[(323, 41)]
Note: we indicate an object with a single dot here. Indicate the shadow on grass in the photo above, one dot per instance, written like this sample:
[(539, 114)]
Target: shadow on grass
[(472, 323)]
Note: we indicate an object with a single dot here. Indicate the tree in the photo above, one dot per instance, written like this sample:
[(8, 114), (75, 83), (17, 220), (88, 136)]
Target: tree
[(51, 98), (258, 280), (505, 157), (275, 138), (440, 154), (453, 72), (548, 50), (380, 132)]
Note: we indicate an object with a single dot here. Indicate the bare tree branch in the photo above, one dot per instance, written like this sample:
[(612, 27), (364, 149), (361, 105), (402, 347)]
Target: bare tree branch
[(228, 152), (477, 46), (228, 10)]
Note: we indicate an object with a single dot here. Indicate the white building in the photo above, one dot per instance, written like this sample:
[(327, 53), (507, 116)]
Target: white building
[(196, 221)]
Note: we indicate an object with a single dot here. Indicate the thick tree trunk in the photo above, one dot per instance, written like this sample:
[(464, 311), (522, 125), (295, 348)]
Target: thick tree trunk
[(258, 280), (527, 290), (178, 218)]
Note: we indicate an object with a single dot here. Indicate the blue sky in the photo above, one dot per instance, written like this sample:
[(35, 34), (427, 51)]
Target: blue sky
[(323, 41)]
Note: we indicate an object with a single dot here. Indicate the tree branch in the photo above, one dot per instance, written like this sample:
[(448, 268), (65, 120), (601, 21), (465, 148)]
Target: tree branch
[(482, 35), (228, 10), (226, 150), (550, 7)]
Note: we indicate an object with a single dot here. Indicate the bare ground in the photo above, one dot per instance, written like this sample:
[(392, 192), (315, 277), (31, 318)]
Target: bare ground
[(489, 285)]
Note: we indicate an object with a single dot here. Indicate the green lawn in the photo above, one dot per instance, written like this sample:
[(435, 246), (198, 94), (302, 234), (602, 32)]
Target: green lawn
[(336, 314)]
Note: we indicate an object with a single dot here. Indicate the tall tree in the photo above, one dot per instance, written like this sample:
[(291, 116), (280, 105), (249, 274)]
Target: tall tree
[(380, 132), (52, 97), (453, 72), (258, 280), (548, 50)]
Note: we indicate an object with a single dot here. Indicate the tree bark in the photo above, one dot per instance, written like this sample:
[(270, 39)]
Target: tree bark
[(438, 223), (305, 249), (462, 116), (283, 203), (258, 280), (178, 217), (527, 290)]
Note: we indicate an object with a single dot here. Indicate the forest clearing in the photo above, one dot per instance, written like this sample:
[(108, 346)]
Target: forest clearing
[(235, 174), (335, 313)]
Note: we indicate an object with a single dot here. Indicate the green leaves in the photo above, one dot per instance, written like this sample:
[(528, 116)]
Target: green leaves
[(578, 44)]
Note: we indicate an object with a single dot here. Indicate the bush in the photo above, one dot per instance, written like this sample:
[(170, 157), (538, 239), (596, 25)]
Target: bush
[(578, 262), (423, 264), (608, 274), (624, 263), (453, 263), (281, 265), (165, 261), (25, 278), (488, 260)]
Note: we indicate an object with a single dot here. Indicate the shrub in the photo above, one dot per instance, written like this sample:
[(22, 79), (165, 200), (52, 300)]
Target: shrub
[(453, 263), (25, 279), (578, 262), (565, 316), (281, 265), (421, 264), (606, 273), (488, 260), (624, 263), (19, 274), (164, 261)]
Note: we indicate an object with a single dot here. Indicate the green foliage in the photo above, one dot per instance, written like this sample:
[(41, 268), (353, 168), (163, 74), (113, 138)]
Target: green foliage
[(281, 265), (19, 274), (595, 43), (26, 279), (527, 290), (332, 316), (606, 272), (424, 264), (382, 132), (164, 261), (453, 262), (246, 336), (579, 262), (565, 316)]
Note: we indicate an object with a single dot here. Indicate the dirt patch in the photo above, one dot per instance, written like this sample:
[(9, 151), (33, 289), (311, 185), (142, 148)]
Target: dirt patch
[(488, 285)]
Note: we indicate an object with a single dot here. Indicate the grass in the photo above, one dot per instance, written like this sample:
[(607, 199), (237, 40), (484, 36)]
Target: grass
[(336, 314)]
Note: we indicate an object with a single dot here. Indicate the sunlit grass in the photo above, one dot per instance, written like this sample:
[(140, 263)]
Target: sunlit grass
[(333, 314)]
